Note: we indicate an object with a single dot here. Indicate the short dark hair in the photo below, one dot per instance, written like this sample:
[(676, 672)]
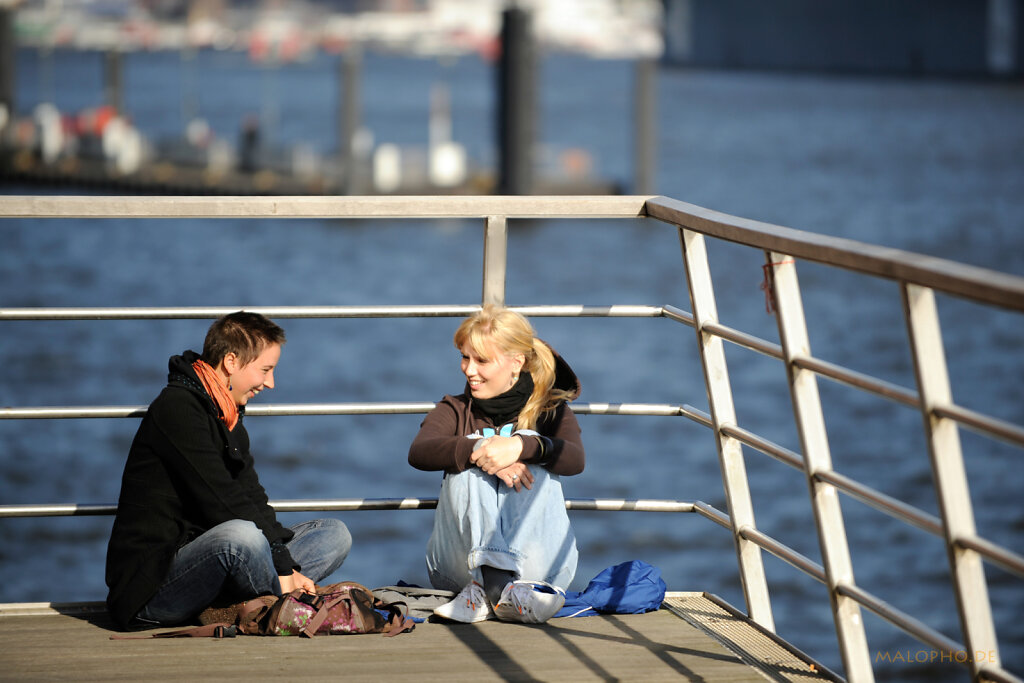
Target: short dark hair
[(244, 334)]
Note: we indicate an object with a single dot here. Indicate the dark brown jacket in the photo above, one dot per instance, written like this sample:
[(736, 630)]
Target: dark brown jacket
[(441, 443)]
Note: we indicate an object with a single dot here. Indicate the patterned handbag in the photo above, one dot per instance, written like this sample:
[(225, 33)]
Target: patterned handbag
[(336, 609)]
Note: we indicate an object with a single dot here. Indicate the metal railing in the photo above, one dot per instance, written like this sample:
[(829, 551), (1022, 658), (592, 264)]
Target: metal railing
[(919, 278)]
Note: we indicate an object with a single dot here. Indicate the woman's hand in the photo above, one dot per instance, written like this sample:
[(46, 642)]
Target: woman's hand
[(496, 453), (517, 475), (296, 580)]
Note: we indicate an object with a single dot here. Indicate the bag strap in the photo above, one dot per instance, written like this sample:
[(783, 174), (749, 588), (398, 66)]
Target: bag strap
[(251, 615), (221, 630), (399, 624), (320, 605), (398, 617)]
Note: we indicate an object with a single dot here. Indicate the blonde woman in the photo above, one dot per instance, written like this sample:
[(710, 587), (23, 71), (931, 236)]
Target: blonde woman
[(501, 534)]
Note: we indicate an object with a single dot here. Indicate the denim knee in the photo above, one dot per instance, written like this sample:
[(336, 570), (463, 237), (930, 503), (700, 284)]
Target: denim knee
[(320, 546), (242, 536), (334, 538), (342, 537)]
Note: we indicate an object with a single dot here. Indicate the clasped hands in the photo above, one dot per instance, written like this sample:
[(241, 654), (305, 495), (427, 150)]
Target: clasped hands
[(499, 455)]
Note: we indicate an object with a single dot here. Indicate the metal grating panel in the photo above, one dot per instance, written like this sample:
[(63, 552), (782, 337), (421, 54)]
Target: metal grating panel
[(754, 646)]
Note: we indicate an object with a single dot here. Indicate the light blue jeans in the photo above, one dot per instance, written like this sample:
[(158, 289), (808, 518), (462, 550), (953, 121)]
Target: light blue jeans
[(481, 521), (232, 561)]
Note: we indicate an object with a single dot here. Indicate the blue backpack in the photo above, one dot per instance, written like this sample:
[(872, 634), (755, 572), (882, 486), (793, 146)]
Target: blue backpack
[(628, 588)]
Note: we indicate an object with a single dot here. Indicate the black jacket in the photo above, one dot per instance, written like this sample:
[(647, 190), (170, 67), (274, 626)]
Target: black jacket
[(185, 474)]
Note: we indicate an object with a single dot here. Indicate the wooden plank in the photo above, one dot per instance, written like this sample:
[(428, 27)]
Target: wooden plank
[(48, 645)]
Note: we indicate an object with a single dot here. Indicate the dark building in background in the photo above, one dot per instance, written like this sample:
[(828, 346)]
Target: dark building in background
[(6, 62), (961, 38)]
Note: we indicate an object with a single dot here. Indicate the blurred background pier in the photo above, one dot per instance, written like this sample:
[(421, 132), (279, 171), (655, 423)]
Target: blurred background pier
[(125, 94), (109, 142)]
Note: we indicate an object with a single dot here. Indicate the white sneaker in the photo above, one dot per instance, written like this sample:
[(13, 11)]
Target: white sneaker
[(531, 602), (469, 606)]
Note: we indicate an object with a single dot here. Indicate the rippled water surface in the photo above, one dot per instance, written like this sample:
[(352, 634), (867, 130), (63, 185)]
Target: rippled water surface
[(932, 167)]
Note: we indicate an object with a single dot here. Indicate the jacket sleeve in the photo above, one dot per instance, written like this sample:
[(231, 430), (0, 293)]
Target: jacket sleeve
[(439, 445), (559, 447), (193, 452), (275, 532)]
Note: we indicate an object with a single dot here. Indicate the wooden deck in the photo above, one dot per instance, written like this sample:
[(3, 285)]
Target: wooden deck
[(693, 637)]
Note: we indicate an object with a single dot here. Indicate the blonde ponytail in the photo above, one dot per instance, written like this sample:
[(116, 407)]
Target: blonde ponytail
[(541, 365)]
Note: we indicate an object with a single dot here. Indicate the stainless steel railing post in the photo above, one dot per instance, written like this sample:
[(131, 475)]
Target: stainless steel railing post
[(810, 423), (495, 259), (943, 437), (730, 451)]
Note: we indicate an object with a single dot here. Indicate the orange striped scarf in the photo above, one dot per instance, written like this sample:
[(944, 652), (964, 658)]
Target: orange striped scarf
[(218, 392)]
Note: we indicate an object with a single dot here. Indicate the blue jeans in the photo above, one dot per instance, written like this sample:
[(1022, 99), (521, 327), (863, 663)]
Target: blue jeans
[(481, 521), (232, 561)]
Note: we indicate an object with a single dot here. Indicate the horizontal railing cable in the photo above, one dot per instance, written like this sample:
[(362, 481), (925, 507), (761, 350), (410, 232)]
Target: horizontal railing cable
[(743, 339), (982, 424), (1008, 560), (71, 412), (857, 380), (360, 504), (784, 552), (701, 417), (712, 513), (203, 312), (783, 455), (678, 315), (662, 409), (382, 408), (882, 502), (60, 412), (57, 510), (580, 311)]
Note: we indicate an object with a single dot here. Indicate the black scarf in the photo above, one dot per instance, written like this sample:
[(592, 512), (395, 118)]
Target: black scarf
[(505, 407)]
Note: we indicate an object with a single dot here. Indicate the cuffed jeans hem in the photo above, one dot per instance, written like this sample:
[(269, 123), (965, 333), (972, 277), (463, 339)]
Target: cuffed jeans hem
[(493, 557)]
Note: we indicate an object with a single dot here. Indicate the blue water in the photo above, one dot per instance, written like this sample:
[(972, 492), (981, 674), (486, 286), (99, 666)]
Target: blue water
[(928, 166)]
